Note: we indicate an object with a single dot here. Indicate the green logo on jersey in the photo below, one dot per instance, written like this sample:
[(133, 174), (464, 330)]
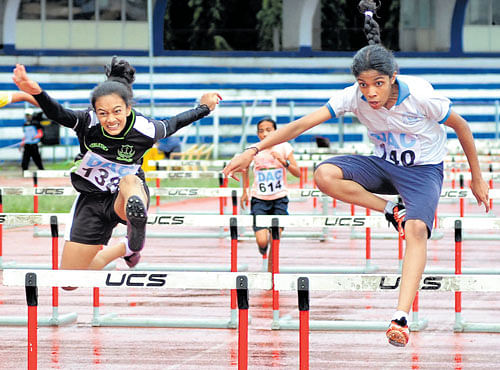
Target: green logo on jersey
[(99, 145), (125, 153)]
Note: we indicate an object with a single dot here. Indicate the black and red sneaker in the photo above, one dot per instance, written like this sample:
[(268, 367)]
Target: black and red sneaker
[(397, 218)]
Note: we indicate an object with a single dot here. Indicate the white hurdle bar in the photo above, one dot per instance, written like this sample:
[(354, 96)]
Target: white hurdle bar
[(275, 222), (168, 221), (56, 318), (127, 279), (302, 284)]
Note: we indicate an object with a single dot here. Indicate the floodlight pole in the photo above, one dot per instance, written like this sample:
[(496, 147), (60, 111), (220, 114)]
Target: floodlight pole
[(150, 53)]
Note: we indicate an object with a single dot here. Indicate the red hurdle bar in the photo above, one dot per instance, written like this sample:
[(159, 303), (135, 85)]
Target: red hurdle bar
[(303, 295), (233, 228), (54, 231), (242, 292), (32, 302), (275, 242), (458, 265)]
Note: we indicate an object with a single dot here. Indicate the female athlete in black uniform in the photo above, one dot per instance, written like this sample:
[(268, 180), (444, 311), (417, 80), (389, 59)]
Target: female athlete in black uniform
[(108, 176)]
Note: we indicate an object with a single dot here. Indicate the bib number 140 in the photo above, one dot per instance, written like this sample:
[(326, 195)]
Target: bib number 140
[(404, 158)]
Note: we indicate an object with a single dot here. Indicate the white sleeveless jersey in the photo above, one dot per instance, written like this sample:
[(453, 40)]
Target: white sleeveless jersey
[(411, 132)]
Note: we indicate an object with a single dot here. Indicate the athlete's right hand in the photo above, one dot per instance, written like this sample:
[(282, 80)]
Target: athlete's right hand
[(239, 164), (244, 199), (210, 100), (23, 82)]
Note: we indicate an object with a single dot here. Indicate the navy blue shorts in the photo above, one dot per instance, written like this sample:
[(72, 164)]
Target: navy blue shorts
[(418, 186), (268, 207)]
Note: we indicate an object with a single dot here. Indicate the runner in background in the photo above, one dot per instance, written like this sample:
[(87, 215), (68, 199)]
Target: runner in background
[(268, 193), (29, 145)]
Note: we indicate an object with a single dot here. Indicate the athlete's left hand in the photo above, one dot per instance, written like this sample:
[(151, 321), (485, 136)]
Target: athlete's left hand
[(480, 190), (210, 100)]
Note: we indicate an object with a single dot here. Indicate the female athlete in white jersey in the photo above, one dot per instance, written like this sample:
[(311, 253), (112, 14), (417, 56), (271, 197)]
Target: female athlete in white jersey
[(405, 118)]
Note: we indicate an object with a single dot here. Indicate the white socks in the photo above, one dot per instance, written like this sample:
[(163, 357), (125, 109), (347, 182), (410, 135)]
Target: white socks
[(399, 314), (128, 252), (389, 207)]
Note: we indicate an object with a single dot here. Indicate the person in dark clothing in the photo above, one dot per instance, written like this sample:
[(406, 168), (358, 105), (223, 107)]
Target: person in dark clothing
[(113, 139), (32, 135)]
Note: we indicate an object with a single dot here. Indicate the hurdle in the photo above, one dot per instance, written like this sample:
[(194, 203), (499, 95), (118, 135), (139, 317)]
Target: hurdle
[(185, 192), (56, 319), (168, 191), (303, 284), (275, 222), (454, 194), (458, 224), (152, 280), (233, 222), (22, 219)]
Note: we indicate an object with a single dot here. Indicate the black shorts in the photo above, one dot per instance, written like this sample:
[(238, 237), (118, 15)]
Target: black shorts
[(94, 218), (268, 207)]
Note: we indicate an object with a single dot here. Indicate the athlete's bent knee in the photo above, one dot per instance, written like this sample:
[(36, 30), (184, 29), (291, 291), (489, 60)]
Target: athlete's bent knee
[(416, 228), (326, 173)]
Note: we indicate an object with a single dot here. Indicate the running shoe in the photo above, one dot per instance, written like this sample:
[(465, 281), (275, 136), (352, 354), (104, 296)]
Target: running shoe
[(397, 217), (398, 332), (136, 223), (133, 259)]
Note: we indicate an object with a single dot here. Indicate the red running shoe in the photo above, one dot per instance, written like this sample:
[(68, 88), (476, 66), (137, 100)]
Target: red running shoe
[(398, 332)]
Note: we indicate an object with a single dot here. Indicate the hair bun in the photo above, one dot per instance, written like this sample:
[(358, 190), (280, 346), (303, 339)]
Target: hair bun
[(120, 70)]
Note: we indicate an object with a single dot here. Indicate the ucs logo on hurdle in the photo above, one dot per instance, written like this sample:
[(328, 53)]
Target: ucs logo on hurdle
[(49, 191), (454, 194), (139, 279), (166, 220), (345, 221), (429, 283)]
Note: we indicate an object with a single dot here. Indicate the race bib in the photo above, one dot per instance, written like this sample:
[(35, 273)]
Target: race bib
[(269, 181), (103, 173), (401, 149)]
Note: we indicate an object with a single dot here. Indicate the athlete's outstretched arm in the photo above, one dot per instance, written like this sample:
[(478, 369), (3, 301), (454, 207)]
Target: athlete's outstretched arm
[(285, 133), (23, 82), (18, 96), (478, 186)]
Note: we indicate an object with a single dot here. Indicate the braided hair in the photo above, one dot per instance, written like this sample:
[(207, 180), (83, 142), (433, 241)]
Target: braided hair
[(374, 56), (120, 77)]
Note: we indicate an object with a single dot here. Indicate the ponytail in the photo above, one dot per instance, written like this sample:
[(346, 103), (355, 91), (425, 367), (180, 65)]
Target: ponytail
[(374, 56), (371, 27), (120, 77)]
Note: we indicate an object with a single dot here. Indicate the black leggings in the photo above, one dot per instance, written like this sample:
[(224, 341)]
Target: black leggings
[(31, 151)]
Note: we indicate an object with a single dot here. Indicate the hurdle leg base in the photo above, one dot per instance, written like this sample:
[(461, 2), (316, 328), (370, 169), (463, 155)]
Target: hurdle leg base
[(340, 325), (418, 325), (112, 320), (42, 321), (476, 327)]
